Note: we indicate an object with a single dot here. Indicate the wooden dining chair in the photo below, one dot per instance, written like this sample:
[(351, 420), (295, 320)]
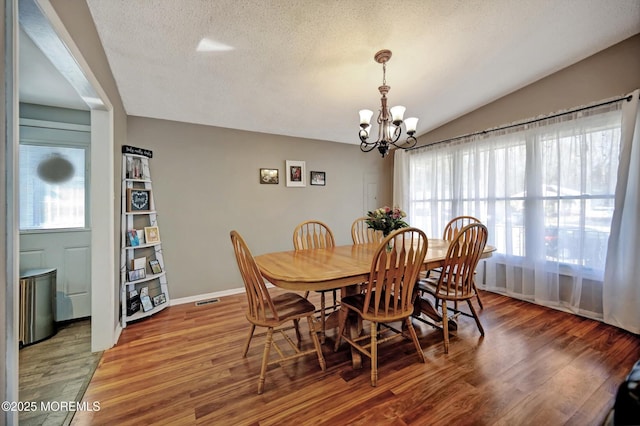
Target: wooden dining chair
[(456, 280), (451, 229), (455, 225), (362, 234), (315, 234), (272, 312), (388, 295)]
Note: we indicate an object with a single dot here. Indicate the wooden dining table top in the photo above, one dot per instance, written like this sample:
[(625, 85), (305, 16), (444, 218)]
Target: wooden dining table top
[(335, 267)]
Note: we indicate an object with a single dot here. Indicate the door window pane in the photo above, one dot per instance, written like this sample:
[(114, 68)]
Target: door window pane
[(52, 187)]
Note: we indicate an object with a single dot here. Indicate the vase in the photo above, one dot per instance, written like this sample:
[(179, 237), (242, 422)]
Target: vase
[(389, 243)]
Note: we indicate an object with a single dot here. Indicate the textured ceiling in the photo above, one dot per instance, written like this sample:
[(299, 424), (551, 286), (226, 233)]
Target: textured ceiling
[(305, 67)]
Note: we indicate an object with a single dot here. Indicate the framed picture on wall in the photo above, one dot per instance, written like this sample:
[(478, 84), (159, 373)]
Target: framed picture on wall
[(318, 178), (296, 173), (269, 176)]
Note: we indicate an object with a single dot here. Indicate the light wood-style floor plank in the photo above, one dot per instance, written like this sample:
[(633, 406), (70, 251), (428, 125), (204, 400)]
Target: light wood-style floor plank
[(534, 366), (56, 370)]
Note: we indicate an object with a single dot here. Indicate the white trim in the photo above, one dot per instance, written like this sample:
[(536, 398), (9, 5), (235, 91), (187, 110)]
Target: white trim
[(10, 204), (30, 122), (104, 286), (193, 299), (197, 298)]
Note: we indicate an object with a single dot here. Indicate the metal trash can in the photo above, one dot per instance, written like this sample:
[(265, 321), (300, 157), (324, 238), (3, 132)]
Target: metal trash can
[(37, 305)]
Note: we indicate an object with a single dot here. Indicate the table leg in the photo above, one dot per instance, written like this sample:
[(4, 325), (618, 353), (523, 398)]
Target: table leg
[(354, 327)]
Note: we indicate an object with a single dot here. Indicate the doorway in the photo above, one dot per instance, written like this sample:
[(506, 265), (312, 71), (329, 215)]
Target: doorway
[(40, 16)]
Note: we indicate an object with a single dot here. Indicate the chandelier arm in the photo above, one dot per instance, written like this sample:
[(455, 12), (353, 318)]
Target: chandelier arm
[(397, 132), (366, 147), (410, 142)]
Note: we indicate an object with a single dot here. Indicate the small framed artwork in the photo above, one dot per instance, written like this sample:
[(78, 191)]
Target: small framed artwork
[(318, 178), (159, 299), (151, 234), (154, 264), (137, 274), (296, 173), (146, 303), (134, 240), (269, 176), (138, 200)]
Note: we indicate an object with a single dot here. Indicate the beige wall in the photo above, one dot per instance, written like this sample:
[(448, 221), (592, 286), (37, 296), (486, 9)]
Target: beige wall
[(205, 182), (609, 73)]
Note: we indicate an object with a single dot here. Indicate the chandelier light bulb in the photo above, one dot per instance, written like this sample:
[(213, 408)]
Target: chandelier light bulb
[(411, 124), (397, 113), (365, 118)]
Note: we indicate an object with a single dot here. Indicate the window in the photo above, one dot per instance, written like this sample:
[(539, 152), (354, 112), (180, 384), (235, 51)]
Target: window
[(52, 201), (544, 190)]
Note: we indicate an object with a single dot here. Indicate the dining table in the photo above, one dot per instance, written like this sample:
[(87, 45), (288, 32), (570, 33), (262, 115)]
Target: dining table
[(340, 267)]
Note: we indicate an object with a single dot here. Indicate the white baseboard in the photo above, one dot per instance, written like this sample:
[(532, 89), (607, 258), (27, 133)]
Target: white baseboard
[(193, 299)]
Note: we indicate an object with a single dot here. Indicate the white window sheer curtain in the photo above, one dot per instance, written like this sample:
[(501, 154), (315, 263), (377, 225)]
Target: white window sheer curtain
[(545, 191), (622, 273)]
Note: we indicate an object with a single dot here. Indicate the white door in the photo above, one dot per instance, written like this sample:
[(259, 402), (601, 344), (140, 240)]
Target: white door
[(370, 192), (54, 217)]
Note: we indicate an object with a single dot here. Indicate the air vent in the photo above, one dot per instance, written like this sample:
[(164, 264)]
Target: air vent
[(207, 302)]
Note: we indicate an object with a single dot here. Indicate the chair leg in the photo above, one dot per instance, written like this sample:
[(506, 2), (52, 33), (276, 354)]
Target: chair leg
[(306, 294), (475, 317), (296, 326), (445, 326), (316, 343), (335, 300), (246, 345), (478, 296), (322, 316), (374, 354), (414, 337), (265, 360)]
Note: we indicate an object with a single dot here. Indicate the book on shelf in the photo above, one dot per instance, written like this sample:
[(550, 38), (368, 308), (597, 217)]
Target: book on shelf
[(133, 302), (154, 264)]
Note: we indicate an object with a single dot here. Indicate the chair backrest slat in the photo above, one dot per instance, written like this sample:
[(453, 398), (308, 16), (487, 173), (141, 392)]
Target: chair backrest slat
[(312, 234), (260, 304), (393, 274), (362, 234)]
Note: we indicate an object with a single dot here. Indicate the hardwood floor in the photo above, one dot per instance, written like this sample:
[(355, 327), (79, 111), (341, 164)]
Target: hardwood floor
[(56, 370), (534, 366)]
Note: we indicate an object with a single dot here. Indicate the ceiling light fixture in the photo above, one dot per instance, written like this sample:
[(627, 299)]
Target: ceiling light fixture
[(389, 120)]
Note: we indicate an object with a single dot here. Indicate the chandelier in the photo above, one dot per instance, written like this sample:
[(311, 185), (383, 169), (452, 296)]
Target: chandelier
[(389, 120)]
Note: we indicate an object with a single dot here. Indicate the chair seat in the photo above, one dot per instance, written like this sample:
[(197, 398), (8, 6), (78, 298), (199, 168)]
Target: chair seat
[(430, 285), (289, 306), (356, 303)]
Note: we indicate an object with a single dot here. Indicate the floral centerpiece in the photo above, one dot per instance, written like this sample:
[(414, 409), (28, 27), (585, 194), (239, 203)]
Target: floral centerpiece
[(386, 219)]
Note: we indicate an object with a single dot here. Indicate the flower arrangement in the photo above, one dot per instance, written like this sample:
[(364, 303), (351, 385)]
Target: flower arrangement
[(386, 219)]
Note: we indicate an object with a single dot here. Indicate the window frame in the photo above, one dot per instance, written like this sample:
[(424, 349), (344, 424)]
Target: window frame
[(64, 135)]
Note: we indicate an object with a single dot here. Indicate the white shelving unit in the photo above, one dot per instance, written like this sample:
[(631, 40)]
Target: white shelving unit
[(138, 213)]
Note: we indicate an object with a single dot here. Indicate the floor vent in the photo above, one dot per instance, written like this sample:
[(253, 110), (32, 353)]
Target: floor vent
[(207, 302)]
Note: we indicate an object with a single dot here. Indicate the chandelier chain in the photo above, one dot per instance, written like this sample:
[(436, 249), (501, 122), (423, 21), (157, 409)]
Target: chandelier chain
[(384, 73)]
